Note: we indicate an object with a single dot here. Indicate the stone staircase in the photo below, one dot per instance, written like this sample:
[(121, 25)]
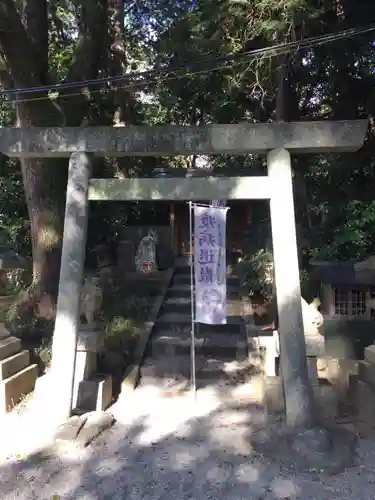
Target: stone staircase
[(17, 375), (221, 351)]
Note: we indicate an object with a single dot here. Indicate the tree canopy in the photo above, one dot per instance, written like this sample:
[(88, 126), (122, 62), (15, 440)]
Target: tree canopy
[(45, 42)]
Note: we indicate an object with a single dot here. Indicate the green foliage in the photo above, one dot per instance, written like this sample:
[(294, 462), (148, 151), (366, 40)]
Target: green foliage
[(124, 316), (333, 194), (14, 224), (256, 274)]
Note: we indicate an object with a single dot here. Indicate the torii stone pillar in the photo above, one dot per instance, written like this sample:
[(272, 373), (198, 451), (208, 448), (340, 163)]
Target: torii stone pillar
[(71, 277), (171, 140), (297, 388)]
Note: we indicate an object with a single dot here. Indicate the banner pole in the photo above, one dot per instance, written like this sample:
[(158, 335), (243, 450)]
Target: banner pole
[(192, 345)]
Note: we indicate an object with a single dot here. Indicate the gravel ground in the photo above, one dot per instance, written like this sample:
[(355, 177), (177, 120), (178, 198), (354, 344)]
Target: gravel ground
[(170, 449)]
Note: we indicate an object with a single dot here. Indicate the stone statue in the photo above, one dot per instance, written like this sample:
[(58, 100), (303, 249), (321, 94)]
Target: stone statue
[(91, 299), (145, 257), (312, 317)]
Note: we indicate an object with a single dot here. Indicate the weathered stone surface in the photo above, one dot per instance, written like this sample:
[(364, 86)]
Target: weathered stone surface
[(297, 389), (96, 423), (71, 278), (70, 429), (370, 354), (367, 372), (9, 346), (177, 342), (315, 345), (298, 137), (90, 339), (312, 369), (228, 188), (94, 394), (179, 368), (274, 394), (14, 388), (14, 364), (3, 332)]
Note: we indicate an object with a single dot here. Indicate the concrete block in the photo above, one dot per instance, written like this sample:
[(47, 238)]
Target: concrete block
[(9, 346), (274, 394), (86, 366), (15, 387), (13, 364), (370, 354), (312, 369), (94, 394), (90, 339)]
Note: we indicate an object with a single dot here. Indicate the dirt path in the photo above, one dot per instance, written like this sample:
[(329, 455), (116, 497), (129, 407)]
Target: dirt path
[(175, 449)]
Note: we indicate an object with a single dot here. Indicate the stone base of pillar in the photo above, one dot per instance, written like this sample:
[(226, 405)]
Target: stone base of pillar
[(94, 394), (86, 382)]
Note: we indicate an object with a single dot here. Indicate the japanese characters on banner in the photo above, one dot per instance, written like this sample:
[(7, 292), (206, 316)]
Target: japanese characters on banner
[(210, 265)]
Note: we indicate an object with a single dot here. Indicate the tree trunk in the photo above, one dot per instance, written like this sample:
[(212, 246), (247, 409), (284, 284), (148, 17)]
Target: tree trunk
[(24, 47)]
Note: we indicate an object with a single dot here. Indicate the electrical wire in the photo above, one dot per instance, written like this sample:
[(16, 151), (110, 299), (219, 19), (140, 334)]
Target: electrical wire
[(226, 61)]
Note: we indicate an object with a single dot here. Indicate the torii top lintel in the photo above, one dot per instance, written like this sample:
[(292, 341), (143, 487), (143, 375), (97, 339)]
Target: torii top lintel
[(170, 140)]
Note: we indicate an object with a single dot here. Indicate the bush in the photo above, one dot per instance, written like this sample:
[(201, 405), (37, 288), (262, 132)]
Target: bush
[(256, 273)]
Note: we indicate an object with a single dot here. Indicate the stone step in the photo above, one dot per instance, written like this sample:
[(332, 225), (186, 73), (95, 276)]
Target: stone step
[(220, 389), (200, 330), (185, 318), (14, 388), (182, 305), (184, 290), (182, 262), (178, 302), (216, 345), (178, 368), (178, 320), (185, 279), (9, 346), (13, 364)]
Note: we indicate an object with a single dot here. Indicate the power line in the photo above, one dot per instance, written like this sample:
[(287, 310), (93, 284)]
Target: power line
[(274, 50), (156, 80)]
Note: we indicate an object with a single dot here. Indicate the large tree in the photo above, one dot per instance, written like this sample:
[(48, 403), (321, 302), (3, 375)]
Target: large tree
[(31, 32)]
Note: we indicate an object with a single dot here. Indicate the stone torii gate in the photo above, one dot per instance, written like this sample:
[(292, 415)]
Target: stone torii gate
[(277, 140)]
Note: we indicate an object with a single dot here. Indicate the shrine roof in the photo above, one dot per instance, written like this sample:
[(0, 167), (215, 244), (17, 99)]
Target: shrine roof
[(342, 273)]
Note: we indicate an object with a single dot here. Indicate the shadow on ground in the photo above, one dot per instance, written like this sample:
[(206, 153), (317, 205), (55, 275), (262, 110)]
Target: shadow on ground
[(165, 454)]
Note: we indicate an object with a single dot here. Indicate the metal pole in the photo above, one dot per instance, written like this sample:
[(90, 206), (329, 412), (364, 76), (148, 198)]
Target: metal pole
[(192, 345)]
